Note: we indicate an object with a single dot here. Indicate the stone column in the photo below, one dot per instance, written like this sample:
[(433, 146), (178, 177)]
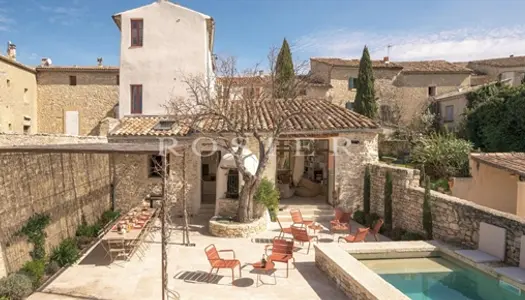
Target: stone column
[(352, 152)]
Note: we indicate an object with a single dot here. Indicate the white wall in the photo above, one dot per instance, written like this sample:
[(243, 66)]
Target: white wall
[(175, 44)]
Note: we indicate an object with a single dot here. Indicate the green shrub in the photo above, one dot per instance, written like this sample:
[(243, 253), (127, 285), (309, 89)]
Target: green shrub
[(52, 268), (371, 219), (66, 253), (34, 230), (442, 155), (366, 191), (16, 286), (359, 216), (109, 216), (268, 196), (88, 230), (412, 236), (397, 233), (388, 199), (427, 213), (35, 270), (440, 184)]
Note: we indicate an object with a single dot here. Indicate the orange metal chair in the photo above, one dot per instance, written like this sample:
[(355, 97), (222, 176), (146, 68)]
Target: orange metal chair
[(284, 230), (341, 222), (300, 234), (360, 236), (217, 262), (282, 251), (377, 227), (297, 217)]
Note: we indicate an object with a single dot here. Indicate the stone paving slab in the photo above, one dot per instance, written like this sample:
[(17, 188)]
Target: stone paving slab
[(94, 278)]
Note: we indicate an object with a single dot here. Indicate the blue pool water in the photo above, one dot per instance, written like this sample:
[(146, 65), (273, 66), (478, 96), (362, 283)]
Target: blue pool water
[(443, 279)]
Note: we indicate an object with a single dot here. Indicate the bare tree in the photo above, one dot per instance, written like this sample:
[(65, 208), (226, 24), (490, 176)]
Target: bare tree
[(236, 109)]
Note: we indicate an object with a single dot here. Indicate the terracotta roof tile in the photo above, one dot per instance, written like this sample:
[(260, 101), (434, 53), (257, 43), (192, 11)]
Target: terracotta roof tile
[(515, 61), (325, 117), (433, 66), (354, 62), (265, 79), (513, 162), (78, 68)]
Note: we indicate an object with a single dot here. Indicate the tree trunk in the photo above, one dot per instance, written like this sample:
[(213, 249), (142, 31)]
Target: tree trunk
[(245, 211)]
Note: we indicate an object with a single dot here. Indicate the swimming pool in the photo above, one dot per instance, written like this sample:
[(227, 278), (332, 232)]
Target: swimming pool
[(441, 278)]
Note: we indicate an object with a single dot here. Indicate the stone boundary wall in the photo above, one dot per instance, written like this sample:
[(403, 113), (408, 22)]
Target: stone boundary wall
[(455, 220), (11, 139), (65, 186)]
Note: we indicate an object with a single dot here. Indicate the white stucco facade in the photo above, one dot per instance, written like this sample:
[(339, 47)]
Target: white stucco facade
[(177, 42)]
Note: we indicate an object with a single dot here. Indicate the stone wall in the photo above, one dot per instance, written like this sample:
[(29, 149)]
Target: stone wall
[(65, 186), (454, 220), (393, 148), (352, 152), (18, 92), (132, 183), (12, 139), (94, 97)]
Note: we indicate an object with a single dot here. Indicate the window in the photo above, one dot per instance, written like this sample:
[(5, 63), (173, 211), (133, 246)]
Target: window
[(302, 92), (137, 31), (386, 113), (449, 113), (72, 80), (431, 91), (27, 129), (232, 184), (8, 83), (352, 83), (118, 79), (136, 99), (25, 95), (349, 105), (156, 166)]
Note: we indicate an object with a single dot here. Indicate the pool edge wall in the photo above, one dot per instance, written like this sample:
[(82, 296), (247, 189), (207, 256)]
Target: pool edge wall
[(352, 277)]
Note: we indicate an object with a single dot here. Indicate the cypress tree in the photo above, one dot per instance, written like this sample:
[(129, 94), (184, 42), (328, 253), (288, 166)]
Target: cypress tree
[(388, 200), (366, 192), (427, 213), (284, 71), (365, 98)]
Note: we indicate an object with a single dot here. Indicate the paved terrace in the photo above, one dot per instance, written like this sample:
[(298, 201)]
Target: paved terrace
[(93, 277)]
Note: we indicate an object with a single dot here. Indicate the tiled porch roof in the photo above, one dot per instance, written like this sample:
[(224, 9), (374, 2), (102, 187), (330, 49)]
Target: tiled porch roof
[(318, 116), (512, 162)]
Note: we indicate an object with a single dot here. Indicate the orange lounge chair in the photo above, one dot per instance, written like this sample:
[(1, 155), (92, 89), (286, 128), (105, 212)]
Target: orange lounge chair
[(282, 251), (360, 236), (300, 234), (217, 262), (377, 227), (341, 222), (297, 217), (284, 230)]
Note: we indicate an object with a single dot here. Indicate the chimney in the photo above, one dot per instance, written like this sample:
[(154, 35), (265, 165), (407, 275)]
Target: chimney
[(99, 61), (45, 62), (386, 60), (11, 50), (261, 73)]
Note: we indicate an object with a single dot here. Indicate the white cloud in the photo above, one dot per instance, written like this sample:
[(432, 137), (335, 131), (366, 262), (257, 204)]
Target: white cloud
[(454, 45)]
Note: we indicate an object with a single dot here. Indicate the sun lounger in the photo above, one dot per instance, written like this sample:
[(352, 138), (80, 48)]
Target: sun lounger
[(491, 245)]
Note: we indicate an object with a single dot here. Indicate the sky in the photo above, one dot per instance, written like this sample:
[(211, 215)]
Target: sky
[(76, 32)]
